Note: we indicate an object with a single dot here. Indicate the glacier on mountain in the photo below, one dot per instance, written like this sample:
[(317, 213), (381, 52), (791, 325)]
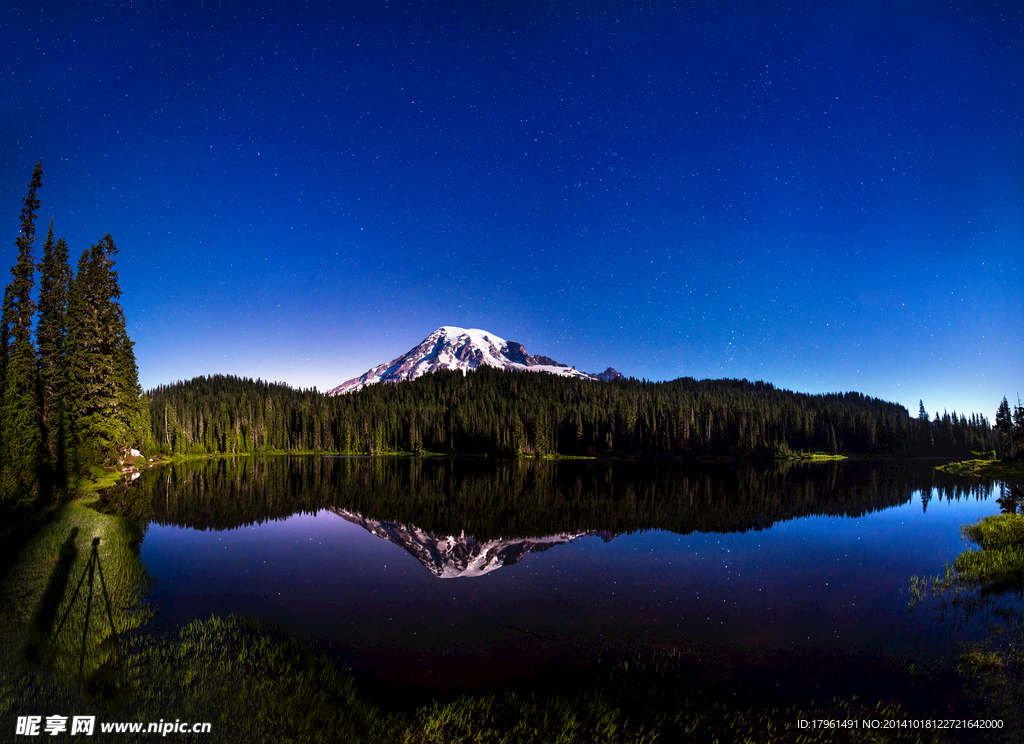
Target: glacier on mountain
[(451, 347)]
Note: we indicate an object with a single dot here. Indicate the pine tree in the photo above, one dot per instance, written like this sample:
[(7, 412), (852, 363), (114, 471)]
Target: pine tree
[(21, 435), (1018, 423), (108, 414), (5, 353), (133, 405), (54, 286), (90, 365), (1004, 423)]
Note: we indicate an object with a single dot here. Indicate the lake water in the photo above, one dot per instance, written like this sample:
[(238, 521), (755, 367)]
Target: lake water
[(457, 574)]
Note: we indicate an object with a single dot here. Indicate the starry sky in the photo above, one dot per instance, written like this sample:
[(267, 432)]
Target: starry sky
[(825, 196)]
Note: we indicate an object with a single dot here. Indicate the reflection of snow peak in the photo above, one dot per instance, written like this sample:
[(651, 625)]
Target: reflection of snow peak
[(450, 347), (450, 557)]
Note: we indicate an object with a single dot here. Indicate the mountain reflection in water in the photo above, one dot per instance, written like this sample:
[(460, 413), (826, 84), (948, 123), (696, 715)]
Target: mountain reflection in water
[(739, 567), (492, 500), (460, 556)]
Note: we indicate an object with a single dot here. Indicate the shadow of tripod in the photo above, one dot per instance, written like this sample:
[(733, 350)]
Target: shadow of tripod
[(91, 569)]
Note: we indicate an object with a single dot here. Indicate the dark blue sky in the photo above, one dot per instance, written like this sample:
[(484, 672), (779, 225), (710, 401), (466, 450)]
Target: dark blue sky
[(824, 196)]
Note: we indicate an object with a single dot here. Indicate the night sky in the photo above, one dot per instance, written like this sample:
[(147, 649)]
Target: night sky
[(825, 196)]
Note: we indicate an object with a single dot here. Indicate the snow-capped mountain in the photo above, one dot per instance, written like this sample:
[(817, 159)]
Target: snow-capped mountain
[(462, 556), (450, 347)]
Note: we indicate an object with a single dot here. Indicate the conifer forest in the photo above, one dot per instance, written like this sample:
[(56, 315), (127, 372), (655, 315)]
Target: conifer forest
[(525, 414), (71, 395)]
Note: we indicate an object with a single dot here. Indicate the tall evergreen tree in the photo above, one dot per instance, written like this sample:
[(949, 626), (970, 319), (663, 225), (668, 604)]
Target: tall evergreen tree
[(107, 415), (133, 405), (54, 287), (5, 354), (1018, 423), (21, 435), (90, 365), (1004, 423)]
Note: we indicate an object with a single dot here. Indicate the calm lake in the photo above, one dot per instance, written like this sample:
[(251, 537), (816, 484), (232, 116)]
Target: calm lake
[(451, 575)]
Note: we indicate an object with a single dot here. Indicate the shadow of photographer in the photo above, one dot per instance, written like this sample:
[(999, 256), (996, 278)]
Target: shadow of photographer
[(42, 647)]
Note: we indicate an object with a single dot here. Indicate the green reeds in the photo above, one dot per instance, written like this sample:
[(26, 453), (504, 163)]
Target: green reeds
[(994, 564)]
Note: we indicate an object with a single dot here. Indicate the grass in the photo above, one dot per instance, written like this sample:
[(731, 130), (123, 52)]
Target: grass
[(179, 457), (814, 456), (993, 672), (987, 581), (999, 564), (987, 468), (251, 682), (996, 566), (517, 717), (72, 585), (254, 683), (644, 699)]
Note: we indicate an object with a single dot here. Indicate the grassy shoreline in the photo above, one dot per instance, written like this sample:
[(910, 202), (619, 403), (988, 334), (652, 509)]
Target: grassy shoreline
[(794, 457), (986, 469)]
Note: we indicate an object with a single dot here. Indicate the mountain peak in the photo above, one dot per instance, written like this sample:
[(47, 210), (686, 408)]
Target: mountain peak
[(452, 347)]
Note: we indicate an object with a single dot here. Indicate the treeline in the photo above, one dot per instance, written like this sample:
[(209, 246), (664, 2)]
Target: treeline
[(523, 414), (71, 395)]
